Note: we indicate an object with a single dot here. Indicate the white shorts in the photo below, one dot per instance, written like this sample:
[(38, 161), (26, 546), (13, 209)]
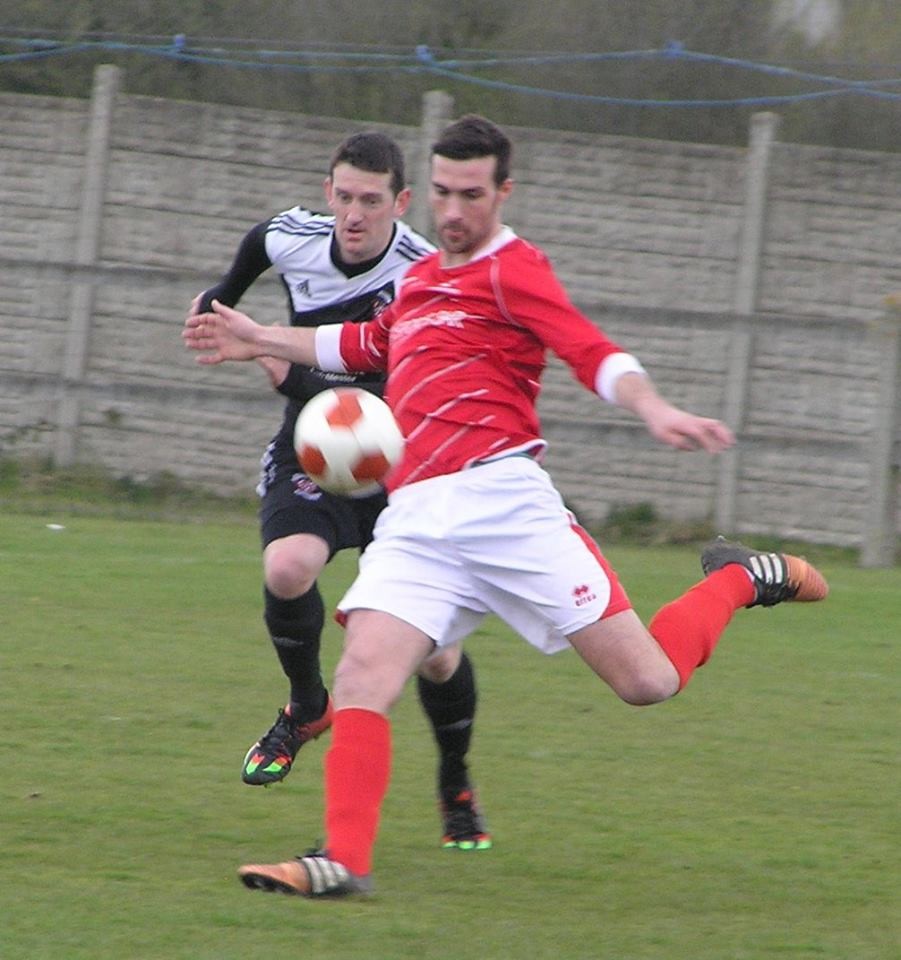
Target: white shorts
[(495, 538)]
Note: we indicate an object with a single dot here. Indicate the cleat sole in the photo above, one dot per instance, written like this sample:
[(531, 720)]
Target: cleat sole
[(286, 878), (310, 876), (484, 843)]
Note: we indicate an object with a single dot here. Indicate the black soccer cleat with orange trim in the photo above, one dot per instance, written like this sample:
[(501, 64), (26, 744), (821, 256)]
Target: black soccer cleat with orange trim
[(312, 875), (777, 577)]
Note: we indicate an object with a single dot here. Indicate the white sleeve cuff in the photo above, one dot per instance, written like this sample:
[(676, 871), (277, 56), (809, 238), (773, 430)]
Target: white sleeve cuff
[(328, 348), (610, 370)]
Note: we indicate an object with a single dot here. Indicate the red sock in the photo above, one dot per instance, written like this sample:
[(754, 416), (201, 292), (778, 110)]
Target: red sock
[(357, 770), (688, 628)]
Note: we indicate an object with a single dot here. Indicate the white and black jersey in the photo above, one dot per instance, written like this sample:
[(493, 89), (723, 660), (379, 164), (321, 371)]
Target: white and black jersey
[(301, 246)]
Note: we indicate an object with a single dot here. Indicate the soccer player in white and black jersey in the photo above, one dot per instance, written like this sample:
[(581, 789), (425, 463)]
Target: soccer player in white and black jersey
[(339, 267), (474, 524)]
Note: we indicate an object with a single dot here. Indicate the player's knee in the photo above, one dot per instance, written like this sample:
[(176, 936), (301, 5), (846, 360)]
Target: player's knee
[(288, 574), (645, 689), (441, 665)]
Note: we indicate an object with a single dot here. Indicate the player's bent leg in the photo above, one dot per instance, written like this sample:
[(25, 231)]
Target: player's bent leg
[(294, 615), (640, 664), (621, 651)]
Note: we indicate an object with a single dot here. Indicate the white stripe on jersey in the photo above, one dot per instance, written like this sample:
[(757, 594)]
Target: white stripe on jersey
[(311, 223)]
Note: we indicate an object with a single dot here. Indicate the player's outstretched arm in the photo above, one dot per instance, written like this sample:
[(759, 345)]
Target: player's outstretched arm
[(228, 334), (669, 424)]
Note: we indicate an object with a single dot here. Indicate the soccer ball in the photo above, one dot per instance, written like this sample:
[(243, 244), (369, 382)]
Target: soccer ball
[(347, 440)]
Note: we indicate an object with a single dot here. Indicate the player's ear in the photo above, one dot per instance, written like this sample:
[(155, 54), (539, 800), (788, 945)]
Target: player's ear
[(327, 189), (402, 202)]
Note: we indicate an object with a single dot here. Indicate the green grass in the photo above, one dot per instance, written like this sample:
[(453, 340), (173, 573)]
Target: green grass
[(753, 817)]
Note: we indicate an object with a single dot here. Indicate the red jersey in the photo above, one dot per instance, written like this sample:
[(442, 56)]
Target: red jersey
[(465, 348)]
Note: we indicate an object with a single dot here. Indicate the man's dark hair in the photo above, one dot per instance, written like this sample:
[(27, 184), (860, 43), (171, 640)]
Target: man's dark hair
[(473, 136), (373, 152)]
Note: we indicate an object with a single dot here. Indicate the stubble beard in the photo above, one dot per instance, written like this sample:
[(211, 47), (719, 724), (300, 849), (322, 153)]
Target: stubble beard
[(457, 240)]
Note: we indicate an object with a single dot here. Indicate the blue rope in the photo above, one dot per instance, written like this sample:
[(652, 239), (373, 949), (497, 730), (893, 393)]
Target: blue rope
[(424, 61)]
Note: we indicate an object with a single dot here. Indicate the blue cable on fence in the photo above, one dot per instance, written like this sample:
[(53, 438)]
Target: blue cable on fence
[(424, 61)]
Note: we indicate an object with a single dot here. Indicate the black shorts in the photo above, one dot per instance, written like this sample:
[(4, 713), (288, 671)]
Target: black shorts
[(292, 503)]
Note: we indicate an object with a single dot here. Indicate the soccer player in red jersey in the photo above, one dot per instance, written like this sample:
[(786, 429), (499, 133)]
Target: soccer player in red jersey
[(473, 523)]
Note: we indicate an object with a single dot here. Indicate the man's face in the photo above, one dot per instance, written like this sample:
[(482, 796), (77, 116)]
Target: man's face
[(364, 209), (466, 204)]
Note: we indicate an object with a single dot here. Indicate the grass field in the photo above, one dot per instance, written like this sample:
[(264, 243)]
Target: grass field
[(753, 817)]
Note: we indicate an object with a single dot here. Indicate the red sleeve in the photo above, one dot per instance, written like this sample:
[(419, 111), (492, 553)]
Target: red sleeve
[(364, 346), (530, 294)]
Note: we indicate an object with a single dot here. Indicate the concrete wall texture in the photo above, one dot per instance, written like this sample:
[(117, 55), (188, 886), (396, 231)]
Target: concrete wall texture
[(755, 284)]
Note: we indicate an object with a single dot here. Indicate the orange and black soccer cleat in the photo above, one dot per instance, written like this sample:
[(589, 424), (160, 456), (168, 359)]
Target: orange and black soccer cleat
[(777, 577)]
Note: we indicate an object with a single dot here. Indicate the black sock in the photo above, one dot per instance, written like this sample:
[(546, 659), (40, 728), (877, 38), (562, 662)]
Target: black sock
[(295, 627), (451, 709)]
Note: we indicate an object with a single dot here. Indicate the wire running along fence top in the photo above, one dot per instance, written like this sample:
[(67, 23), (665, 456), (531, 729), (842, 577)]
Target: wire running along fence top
[(423, 60)]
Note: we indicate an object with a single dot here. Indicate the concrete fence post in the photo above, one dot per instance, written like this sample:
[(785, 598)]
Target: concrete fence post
[(744, 303), (879, 537), (87, 251), (437, 109)]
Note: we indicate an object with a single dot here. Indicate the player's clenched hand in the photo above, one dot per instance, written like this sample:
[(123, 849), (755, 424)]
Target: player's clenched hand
[(225, 334)]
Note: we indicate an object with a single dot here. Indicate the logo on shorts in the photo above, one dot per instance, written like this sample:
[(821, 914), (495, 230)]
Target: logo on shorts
[(583, 594), (304, 487)]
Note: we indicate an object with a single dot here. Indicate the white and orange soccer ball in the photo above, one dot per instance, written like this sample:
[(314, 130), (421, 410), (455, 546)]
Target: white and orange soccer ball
[(347, 441)]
